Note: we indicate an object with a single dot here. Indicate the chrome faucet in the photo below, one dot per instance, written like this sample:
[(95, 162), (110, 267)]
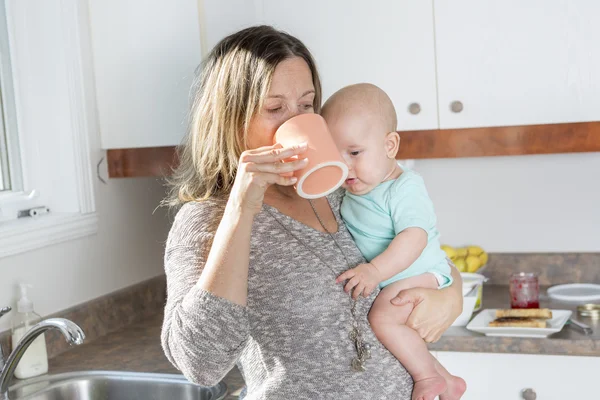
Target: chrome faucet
[(70, 330)]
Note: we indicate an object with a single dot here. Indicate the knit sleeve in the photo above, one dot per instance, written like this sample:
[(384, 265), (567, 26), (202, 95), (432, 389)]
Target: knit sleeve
[(203, 335)]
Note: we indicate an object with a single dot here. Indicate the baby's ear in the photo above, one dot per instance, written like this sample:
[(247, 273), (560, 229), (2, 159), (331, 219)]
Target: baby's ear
[(392, 144)]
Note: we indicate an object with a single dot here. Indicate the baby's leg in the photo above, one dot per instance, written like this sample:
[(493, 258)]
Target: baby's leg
[(388, 323)]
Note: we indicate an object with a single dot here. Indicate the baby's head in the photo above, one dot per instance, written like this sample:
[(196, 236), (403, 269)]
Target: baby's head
[(363, 123)]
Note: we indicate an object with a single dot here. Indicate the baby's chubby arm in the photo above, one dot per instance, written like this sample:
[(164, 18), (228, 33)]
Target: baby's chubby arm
[(402, 252)]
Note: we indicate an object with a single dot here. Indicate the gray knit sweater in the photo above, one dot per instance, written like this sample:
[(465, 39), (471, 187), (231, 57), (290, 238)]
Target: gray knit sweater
[(291, 340)]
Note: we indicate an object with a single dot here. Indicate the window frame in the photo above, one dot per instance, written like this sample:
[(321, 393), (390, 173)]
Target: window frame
[(9, 143), (61, 155)]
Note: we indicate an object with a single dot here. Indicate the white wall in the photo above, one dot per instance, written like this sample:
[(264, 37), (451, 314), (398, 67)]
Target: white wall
[(127, 249), (537, 203)]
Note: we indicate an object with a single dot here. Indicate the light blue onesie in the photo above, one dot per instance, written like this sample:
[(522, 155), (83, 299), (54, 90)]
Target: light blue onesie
[(374, 219)]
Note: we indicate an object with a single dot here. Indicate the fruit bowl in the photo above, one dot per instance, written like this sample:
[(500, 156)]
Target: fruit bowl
[(469, 303), (471, 281), (467, 259), (470, 262)]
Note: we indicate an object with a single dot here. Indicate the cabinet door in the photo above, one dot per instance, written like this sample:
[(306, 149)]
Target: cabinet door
[(220, 18), (387, 43), (516, 62), (145, 53), (505, 376)]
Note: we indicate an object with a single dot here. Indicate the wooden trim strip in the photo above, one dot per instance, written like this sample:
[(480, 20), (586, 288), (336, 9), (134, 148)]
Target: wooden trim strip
[(449, 143), (501, 141), (146, 161)]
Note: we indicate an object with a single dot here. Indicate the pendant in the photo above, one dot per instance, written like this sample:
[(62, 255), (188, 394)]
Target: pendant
[(366, 351), (363, 351), (357, 365)]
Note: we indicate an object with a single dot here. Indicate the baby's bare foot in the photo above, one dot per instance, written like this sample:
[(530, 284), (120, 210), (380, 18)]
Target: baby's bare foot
[(456, 388), (428, 389)]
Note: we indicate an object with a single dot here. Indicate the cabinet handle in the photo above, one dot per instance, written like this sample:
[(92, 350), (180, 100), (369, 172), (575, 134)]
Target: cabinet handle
[(528, 394), (414, 108), (456, 106)]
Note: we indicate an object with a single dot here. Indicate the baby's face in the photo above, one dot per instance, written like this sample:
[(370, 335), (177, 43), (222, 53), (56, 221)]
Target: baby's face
[(361, 139)]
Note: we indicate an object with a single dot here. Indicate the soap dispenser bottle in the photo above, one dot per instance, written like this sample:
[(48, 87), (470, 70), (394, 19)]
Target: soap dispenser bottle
[(35, 359)]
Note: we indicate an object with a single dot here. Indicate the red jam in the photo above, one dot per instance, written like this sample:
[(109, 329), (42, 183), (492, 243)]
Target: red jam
[(524, 290)]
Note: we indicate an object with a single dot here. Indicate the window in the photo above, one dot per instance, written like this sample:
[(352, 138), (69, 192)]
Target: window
[(10, 171), (4, 171), (46, 121)]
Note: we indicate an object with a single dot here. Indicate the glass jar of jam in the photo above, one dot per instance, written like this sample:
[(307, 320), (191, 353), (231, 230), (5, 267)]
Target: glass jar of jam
[(524, 290)]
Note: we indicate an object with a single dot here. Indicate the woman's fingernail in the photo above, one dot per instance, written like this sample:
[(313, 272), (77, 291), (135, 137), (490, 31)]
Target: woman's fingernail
[(293, 179), (304, 161)]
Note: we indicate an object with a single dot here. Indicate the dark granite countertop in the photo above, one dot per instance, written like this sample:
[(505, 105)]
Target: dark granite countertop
[(566, 342), (133, 348), (137, 347)]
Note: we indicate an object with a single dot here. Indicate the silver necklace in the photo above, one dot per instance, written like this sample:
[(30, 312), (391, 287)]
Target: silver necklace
[(362, 348)]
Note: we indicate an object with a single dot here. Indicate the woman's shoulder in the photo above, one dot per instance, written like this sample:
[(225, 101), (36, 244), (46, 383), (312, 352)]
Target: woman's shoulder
[(335, 198), (195, 220)]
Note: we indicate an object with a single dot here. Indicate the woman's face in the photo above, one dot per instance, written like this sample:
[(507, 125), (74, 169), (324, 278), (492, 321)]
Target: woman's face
[(292, 92)]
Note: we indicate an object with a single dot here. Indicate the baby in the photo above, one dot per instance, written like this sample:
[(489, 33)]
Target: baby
[(389, 214)]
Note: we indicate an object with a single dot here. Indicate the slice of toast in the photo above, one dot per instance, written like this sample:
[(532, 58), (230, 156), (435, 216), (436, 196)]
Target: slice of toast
[(538, 313), (518, 322)]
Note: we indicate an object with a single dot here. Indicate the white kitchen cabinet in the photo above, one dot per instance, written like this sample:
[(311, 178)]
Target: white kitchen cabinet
[(387, 43), (505, 376), (507, 63), (516, 62), (145, 53), (220, 18)]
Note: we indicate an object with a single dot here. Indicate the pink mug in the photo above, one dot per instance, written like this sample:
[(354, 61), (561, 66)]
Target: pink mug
[(326, 170)]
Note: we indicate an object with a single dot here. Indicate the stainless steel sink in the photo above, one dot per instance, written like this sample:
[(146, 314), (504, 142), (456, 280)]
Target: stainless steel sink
[(114, 385)]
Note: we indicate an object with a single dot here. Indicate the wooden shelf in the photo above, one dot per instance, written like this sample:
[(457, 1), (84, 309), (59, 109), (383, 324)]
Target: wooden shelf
[(145, 161), (451, 143), (501, 141)]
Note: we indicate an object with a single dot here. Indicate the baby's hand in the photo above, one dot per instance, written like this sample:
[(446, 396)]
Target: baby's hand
[(363, 279)]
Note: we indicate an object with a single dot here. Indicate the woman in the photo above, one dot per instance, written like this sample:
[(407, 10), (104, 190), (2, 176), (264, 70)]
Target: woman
[(250, 265)]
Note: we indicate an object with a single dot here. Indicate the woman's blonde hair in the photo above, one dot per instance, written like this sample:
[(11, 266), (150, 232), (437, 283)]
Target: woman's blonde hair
[(227, 94)]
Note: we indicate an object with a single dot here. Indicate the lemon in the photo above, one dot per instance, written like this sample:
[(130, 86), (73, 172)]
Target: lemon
[(484, 258), (474, 250), (462, 252), (461, 264), (473, 263), (450, 251)]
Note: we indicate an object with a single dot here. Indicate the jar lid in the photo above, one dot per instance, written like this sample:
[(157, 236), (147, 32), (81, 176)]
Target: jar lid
[(524, 277), (589, 310)]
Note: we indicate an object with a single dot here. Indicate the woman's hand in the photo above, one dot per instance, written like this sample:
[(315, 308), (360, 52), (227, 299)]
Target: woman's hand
[(260, 168), (434, 310)]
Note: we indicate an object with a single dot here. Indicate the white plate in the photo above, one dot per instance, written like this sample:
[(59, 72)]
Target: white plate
[(481, 324), (579, 292)]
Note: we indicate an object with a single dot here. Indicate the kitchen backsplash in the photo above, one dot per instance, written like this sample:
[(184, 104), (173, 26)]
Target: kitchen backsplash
[(106, 314), (553, 268)]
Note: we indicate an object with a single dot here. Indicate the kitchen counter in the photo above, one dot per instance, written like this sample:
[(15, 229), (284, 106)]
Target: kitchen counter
[(133, 348), (566, 342), (137, 347)]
